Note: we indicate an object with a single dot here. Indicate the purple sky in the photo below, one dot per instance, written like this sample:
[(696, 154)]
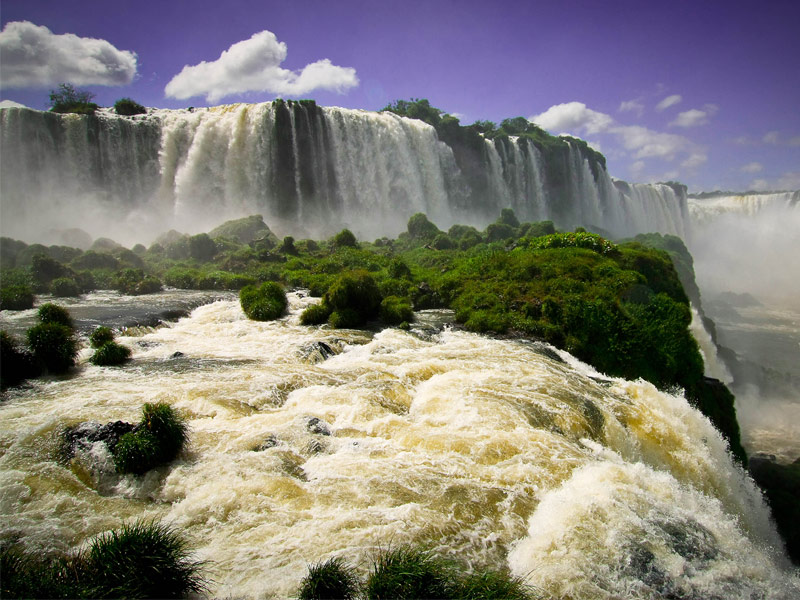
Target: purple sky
[(703, 92)]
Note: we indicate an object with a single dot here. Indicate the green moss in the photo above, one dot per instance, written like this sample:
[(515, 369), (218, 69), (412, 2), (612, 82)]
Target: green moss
[(110, 354), (101, 335), (264, 303), (157, 440)]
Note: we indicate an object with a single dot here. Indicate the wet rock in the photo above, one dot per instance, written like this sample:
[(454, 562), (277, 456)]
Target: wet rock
[(268, 443), (317, 426), (177, 354), (317, 352), (84, 435)]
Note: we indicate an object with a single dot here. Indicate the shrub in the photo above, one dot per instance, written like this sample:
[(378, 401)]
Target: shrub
[(95, 260), (354, 291), (135, 282), (202, 247), (53, 313), (16, 297), (443, 242), (492, 585), (345, 318), (345, 239), (396, 310), (67, 99), (110, 354), (157, 440), (264, 303), (53, 346), (398, 269), (316, 314), (419, 227), (507, 217), (331, 579), (64, 287), (101, 335), (405, 573), (142, 560), (287, 246), (128, 107), (17, 363)]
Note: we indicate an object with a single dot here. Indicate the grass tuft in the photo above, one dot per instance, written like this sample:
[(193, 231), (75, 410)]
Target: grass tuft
[(330, 580)]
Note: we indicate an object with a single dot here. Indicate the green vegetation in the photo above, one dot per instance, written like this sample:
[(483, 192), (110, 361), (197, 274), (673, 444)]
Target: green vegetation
[(52, 342), (330, 580), (110, 354), (141, 560), (101, 335), (128, 107), (67, 99), (15, 296), (264, 303), (156, 440), (18, 364)]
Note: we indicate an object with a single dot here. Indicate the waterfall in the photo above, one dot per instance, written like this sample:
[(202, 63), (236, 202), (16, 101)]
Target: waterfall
[(309, 170)]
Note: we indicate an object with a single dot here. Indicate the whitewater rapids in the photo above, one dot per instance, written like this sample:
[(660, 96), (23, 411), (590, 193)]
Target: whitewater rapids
[(489, 451)]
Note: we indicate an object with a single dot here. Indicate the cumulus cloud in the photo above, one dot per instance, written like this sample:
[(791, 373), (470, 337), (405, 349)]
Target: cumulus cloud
[(669, 101), (34, 56), (695, 117), (753, 167), (637, 141), (573, 117), (634, 106), (253, 65)]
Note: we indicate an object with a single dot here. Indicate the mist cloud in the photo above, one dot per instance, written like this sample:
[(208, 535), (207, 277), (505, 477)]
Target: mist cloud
[(34, 56), (253, 65)]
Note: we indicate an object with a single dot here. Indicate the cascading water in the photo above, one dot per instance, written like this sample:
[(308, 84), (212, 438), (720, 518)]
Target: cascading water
[(491, 452), (309, 170)]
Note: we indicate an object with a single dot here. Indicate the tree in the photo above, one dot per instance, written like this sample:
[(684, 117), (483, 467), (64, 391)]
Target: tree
[(67, 99), (128, 107)]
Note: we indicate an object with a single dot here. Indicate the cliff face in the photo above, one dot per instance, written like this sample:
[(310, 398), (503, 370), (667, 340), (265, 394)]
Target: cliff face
[(308, 169)]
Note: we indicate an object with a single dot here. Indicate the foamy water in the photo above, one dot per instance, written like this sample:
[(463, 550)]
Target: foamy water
[(484, 450)]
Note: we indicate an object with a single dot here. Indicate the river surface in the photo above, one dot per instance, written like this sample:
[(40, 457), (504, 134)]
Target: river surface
[(494, 452)]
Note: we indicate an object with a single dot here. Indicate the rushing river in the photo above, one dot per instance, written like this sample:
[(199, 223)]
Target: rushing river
[(494, 452)]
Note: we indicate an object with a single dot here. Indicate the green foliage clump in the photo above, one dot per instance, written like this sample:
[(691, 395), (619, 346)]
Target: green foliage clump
[(345, 239), (53, 313), (157, 440), (420, 228), (202, 247), (396, 310), (128, 107), (316, 314), (65, 287), (101, 335), (16, 297), (330, 580), (406, 574), (135, 282), (67, 99), (141, 560), (354, 292), (17, 363), (110, 354), (581, 239), (264, 303), (54, 346)]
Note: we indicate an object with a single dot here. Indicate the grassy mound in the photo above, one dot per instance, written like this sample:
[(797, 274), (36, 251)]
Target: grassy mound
[(265, 303), (157, 440)]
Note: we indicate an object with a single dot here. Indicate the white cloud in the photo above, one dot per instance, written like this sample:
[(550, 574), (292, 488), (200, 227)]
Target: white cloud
[(795, 141), (634, 106), (753, 167), (771, 137), (253, 65), (695, 117), (669, 101), (573, 117), (637, 141), (33, 56)]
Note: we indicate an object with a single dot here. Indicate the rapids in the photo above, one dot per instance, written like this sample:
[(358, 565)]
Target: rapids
[(495, 452)]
